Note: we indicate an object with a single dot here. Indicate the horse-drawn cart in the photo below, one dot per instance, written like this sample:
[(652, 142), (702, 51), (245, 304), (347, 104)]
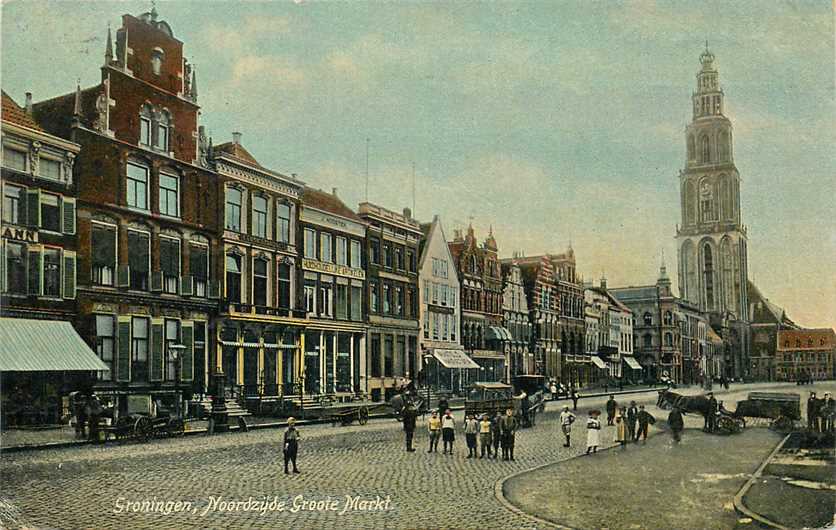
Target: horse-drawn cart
[(780, 410), (493, 398), (346, 413), (142, 427)]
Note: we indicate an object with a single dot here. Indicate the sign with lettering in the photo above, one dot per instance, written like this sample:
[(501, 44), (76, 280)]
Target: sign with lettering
[(332, 268), (20, 234)]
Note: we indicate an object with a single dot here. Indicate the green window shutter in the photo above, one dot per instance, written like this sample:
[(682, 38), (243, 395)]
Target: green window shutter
[(68, 216), (157, 350), (69, 275), (22, 208), (35, 265), (187, 364), (123, 350), (33, 208)]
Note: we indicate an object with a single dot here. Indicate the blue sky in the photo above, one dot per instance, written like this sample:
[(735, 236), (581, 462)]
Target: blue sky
[(551, 121)]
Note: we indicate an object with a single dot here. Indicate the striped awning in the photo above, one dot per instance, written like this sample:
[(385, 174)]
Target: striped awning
[(632, 363), (597, 361), (454, 358), (44, 346), (499, 333)]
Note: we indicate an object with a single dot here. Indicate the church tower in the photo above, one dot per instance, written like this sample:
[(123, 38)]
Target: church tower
[(711, 238)]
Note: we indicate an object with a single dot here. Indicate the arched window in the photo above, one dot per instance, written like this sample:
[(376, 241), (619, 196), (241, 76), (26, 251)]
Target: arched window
[(648, 319), (233, 278), (163, 130), (668, 340), (705, 149), (260, 296), (692, 151), (723, 146), (668, 318), (708, 272), (157, 57), (146, 114)]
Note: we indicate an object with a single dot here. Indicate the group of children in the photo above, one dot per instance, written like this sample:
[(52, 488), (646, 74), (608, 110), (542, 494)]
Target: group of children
[(487, 433)]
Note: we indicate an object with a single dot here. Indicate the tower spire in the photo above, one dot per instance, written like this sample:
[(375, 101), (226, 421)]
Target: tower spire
[(193, 85), (77, 102), (109, 48)]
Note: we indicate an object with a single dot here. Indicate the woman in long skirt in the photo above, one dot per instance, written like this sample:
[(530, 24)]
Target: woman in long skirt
[(593, 431), (621, 433), (448, 430)]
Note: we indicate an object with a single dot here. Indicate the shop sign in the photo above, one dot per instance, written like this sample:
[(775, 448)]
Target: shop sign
[(20, 234), (332, 268)]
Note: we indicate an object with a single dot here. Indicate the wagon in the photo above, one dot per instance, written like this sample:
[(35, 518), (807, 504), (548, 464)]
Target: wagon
[(346, 413), (780, 410), (493, 398), (142, 427)]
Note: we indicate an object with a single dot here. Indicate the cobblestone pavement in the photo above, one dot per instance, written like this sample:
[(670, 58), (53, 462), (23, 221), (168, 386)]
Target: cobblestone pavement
[(85, 487)]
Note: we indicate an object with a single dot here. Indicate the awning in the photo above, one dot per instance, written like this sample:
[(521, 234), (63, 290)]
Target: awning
[(498, 333), (598, 362), (454, 359), (632, 363), (44, 346)]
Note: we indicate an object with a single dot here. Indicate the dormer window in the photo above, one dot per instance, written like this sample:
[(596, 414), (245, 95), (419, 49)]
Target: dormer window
[(157, 61)]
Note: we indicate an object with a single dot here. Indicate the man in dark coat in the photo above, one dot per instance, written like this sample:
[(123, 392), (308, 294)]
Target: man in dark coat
[(632, 417), (574, 396), (443, 405), (676, 423), (508, 427), (813, 405), (827, 410), (645, 419), (612, 405), (711, 415), (409, 415)]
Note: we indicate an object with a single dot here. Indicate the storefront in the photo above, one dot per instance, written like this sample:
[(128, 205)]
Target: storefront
[(451, 370)]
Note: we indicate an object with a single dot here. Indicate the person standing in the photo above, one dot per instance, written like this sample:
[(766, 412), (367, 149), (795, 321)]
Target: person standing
[(409, 415), (574, 399), (485, 436), (645, 419), (496, 433), (471, 429), (434, 428), (443, 405), (711, 416), (448, 431), (508, 426), (80, 406), (632, 417), (593, 432), (813, 413), (827, 411), (612, 406), (566, 421), (621, 431), (291, 445), (94, 413), (676, 423)]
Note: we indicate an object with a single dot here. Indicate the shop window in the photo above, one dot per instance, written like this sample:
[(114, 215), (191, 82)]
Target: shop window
[(15, 268), (103, 254), (375, 355), (169, 195), (388, 356), (137, 186)]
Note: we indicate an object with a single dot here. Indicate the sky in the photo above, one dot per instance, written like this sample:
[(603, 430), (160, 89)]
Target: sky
[(553, 122)]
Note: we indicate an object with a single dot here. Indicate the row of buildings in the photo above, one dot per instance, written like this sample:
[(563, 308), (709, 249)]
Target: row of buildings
[(190, 267)]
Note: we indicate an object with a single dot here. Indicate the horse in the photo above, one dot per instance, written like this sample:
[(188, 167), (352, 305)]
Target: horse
[(685, 404)]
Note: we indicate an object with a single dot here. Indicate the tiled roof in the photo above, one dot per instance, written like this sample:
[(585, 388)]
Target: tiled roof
[(14, 113), (237, 151), (328, 202)]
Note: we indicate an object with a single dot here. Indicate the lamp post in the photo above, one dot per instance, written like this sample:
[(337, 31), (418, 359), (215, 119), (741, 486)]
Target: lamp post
[(174, 351), (427, 357)]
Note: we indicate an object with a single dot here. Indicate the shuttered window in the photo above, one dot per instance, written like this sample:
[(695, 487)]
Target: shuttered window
[(187, 362), (68, 216), (170, 264), (156, 359), (199, 268), (123, 348), (103, 254), (139, 349), (139, 256), (69, 275)]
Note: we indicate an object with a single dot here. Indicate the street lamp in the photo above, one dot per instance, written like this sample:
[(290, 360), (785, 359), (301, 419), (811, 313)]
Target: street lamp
[(427, 357), (174, 351)]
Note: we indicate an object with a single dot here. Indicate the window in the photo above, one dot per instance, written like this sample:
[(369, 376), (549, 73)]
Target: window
[(373, 296), (387, 256), (668, 340), (399, 258), (145, 130), (375, 354), (170, 264), (169, 195), (426, 324), (310, 295), (105, 341), (342, 301), (172, 339), (436, 318), (452, 297), (283, 286), (452, 329), (342, 251), (163, 132), (157, 61), (260, 281), (199, 268), (398, 301), (356, 254), (15, 268), (103, 254), (386, 299), (14, 159), (443, 294), (435, 293), (647, 341), (233, 278), (139, 256), (374, 251), (260, 216), (356, 302), (12, 204), (410, 260), (137, 187), (49, 168), (325, 298), (709, 276), (139, 349), (648, 319), (283, 222), (668, 318), (325, 248), (310, 243), (234, 198), (413, 302), (50, 212), (388, 356)]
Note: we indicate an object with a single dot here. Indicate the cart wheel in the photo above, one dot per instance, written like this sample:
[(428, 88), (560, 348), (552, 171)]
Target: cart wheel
[(739, 424), (143, 428), (363, 415), (176, 427), (726, 425)]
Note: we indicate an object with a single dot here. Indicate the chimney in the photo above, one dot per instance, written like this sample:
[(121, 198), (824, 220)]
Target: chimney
[(28, 106), (334, 192), (407, 213), (236, 138)]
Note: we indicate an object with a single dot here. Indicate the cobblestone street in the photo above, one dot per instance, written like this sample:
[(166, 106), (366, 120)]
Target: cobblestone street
[(85, 487)]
